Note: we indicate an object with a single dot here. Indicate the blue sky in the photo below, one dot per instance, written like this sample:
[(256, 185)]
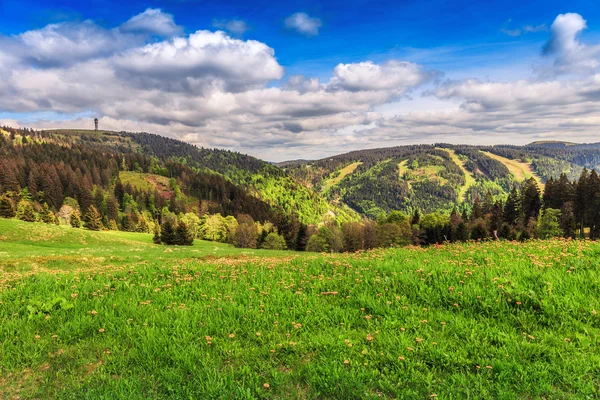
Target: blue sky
[(426, 56), (351, 31)]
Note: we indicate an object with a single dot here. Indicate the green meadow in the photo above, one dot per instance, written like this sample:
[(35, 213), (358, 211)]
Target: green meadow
[(110, 315)]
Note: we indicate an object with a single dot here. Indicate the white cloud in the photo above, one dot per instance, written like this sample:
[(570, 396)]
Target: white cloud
[(207, 87), (215, 90), (303, 24), (537, 28), (396, 75), (512, 32), (564, 46), (152, 21), (66, 44), (234, 26), (525, 29), (204, 58)]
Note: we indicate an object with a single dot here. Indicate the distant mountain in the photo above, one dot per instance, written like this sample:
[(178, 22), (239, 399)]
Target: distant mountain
[(217, 180), (438, 177), (158, 171)]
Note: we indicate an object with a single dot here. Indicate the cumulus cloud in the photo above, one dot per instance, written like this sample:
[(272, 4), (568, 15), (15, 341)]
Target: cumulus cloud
[(564, 46), (303, 24), (66, 44), (204, 58), (206, 87), (234, 26), (370, 76), (152, 21), (215, 90)]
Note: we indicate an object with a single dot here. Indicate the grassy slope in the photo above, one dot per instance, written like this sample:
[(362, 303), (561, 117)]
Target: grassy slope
[(520, 170), (405, 323), (29, 248), (469, 179), (341, 174), (144, 181)]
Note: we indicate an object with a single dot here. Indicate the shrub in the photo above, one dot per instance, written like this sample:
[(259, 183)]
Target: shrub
[(274, 241)]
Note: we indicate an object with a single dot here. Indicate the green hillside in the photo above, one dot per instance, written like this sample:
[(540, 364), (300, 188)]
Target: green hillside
[(157, 172), (438, 177), (27, 248)]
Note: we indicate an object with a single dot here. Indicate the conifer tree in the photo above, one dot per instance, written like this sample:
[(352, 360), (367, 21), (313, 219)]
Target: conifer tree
[(461, 232), (93, 219), (512, 208), (75, 220), (581, 201), (6, 207), (183, 234), (25, 211), (477, 211), (47, 216), (156, 238), (167, 232), (416, 219)]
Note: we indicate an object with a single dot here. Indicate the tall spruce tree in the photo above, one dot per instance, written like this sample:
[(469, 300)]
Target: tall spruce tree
[(512, 208), (75, 220), (25, 211), (93, 219), (47, 216), (183, 234), (167, 231), (581, 201), (156, 238), (531, 200), (7, 209), (593, 210)]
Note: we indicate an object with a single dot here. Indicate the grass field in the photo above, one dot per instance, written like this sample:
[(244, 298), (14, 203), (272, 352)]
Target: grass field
[(339, 175), (111, 316), (520, 170), (469, 179), (147, 182)]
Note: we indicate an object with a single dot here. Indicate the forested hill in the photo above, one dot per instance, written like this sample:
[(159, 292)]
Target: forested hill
[(155, 172), (438, 177)]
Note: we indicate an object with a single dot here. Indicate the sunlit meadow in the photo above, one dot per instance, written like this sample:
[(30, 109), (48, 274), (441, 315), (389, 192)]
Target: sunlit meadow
[(110, 315)]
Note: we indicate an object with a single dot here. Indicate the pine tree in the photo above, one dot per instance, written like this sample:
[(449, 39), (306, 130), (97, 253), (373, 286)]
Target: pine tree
[(477, 211), (496, 217), (112, 208), (512, 208), (301, 239), (183, 234), (167, 232), (416, 219), (25, 211), (593, 211), (93, 219), (75, 220), (7, 209), (552, 197), (461, 233), (531, 200), (47, 216), (156, 238), (581, 201)]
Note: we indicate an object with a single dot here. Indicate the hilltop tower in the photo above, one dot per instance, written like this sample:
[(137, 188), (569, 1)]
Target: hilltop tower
[(96, 124)]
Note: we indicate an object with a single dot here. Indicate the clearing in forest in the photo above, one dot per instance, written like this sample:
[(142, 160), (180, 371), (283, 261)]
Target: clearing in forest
[(469, 179), (341, 174), (147, 182), (520, 170)]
